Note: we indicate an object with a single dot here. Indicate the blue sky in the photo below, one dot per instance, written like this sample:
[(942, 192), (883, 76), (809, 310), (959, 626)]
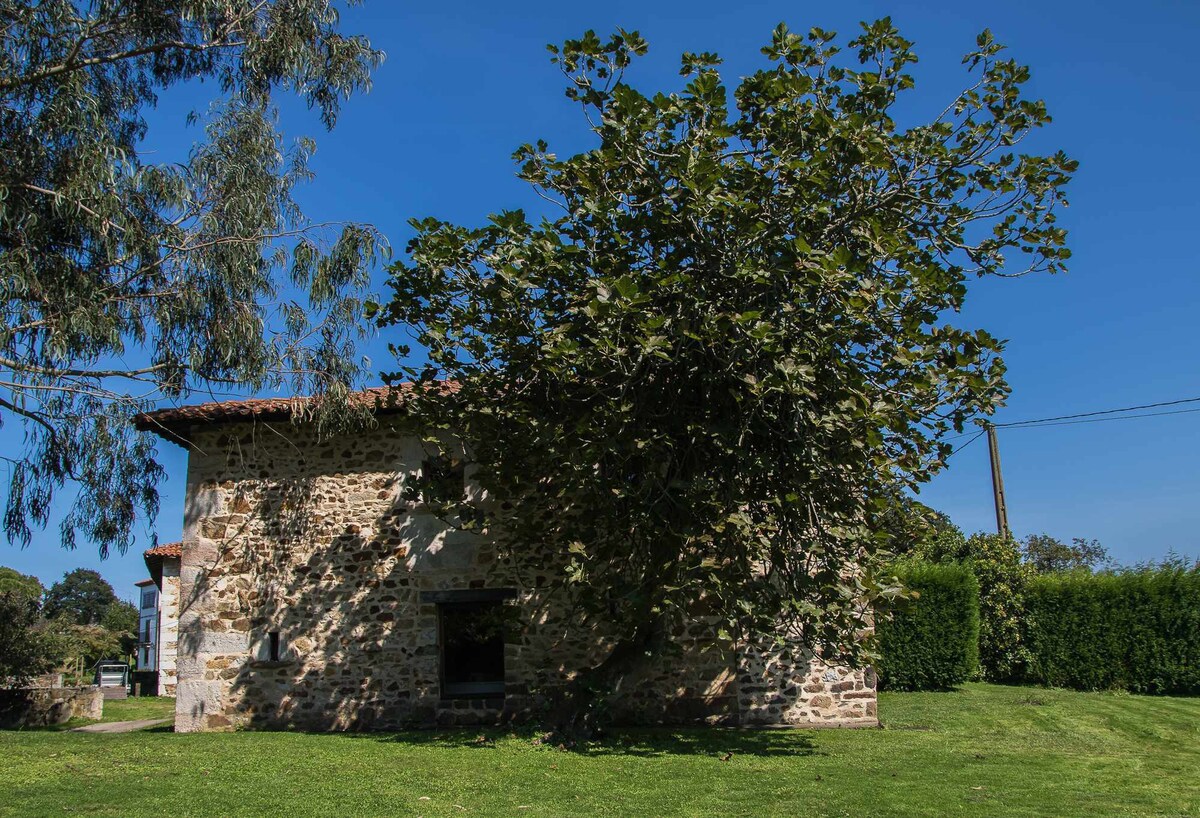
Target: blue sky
[(465, 83)]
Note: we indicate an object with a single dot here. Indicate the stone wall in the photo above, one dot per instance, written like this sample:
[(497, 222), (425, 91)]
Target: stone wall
[(49, 706), (168, 627), (318, 543), (794, 687)]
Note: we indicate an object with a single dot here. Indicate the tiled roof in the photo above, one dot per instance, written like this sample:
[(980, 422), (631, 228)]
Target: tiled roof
[(169, 422), (171, 549)]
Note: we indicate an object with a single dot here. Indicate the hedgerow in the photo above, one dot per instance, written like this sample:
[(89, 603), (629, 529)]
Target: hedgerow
[(932, 641)]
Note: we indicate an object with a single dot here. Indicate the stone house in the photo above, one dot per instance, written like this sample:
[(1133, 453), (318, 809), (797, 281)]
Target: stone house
[(315, 592)]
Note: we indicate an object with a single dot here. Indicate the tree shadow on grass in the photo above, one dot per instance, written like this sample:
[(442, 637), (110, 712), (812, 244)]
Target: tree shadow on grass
[(65, 727), (641, 742), (707, 741)]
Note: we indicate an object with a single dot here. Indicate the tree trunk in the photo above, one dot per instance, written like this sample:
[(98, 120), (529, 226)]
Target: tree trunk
[(581, 712)]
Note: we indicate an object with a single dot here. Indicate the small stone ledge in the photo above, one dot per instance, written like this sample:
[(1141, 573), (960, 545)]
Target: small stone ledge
[(266, 664)]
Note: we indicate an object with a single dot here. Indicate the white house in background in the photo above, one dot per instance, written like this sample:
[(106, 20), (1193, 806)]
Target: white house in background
[(158, 616), (147, 649)]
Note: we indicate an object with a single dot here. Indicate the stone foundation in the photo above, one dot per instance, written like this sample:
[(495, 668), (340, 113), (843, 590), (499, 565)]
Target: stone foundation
[(315, 542)]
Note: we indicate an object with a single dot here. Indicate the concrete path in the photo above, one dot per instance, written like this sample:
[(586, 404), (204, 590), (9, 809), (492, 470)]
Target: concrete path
[(121, 726)]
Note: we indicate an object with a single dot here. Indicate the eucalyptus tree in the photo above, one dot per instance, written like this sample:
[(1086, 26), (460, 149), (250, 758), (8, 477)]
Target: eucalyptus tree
[(697, 378), (125, 279)]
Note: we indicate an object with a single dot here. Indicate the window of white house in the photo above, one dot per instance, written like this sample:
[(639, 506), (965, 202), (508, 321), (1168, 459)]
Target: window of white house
[(472, 642), (148, 633)]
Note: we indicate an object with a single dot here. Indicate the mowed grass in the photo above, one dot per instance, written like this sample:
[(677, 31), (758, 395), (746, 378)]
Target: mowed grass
[(137, 708), (984, 750)]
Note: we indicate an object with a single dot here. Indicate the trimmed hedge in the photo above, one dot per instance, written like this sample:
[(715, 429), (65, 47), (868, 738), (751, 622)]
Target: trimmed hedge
[(1135, 630), (932, 642)]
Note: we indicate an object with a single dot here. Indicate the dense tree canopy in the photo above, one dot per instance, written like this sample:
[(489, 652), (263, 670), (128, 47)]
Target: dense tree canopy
[(1003, 576), (81, 597), (907, 527), (727, 345), (24, 650), (27, 584), (81, 621), (121, 620), (124, 278)]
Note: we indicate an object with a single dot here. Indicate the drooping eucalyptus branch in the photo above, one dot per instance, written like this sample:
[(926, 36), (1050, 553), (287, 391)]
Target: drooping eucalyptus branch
[(125, 281)]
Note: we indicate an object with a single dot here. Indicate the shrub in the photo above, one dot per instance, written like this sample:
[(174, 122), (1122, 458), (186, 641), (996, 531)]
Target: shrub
[(1138, 630), (932, 641), (996, 562), (23, 650)]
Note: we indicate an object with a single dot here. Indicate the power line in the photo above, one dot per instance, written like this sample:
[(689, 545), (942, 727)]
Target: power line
[(1060, 420), (1105, 412), (1070, 420), (1032, 425), (980, 434)]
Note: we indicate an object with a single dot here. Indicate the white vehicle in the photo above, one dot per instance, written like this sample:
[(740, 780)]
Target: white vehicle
[(112, 677)]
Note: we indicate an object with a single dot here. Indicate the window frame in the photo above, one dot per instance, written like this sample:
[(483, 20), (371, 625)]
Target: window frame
[(458, 600)]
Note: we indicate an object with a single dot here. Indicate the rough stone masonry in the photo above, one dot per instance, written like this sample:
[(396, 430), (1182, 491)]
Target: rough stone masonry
[(312, 593)]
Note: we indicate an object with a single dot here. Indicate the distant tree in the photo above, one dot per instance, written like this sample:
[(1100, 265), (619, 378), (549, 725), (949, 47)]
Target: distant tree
[(121, 620), (24, 650), (13, 580), (694, 380), (126, 278), (76, 648), (1046, 554), (81, 597)]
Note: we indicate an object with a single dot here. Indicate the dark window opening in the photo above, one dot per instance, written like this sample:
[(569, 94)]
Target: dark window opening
[(443, 478), (472, 649), (273, 646)]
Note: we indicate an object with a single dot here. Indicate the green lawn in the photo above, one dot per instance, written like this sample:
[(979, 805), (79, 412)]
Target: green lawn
[(138, 707), (985, 750)]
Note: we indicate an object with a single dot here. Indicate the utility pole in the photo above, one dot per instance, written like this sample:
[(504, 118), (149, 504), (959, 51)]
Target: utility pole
[(997, 484)]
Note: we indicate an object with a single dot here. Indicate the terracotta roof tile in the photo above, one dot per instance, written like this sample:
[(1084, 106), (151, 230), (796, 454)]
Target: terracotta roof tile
[(171, 549), (168, 423)]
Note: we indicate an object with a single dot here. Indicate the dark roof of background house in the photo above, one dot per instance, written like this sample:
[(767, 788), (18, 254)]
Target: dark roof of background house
[(171, 423)]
